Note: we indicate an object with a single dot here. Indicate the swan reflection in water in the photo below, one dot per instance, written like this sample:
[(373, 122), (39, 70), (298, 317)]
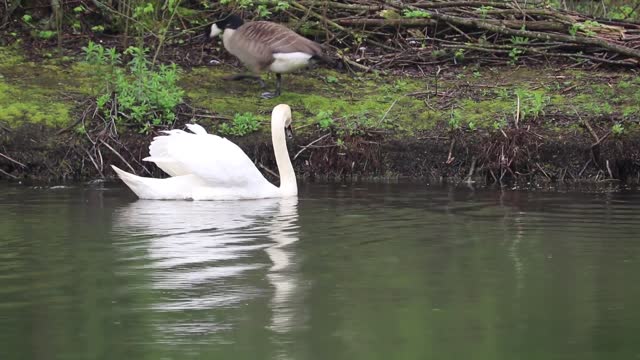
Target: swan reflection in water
[(201, 254)]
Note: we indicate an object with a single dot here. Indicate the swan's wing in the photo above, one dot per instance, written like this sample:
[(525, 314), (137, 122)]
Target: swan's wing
[(159, 154), (216, 160)]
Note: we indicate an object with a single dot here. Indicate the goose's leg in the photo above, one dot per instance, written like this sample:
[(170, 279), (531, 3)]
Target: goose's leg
[(270, 95), (278, 84)]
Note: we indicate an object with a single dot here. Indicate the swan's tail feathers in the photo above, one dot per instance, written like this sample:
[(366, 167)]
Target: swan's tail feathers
[(178, 187), (137, 184)]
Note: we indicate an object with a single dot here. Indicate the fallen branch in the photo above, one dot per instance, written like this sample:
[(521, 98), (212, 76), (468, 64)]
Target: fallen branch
[(117, 154), (13, 160), (480, 24), (310, 144), (9, 175)]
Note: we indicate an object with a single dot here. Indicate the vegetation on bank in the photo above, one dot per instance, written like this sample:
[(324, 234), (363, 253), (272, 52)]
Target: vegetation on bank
[(472, 99), (155, 74)]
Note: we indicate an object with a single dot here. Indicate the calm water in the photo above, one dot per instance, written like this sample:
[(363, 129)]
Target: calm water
[(358, 272)]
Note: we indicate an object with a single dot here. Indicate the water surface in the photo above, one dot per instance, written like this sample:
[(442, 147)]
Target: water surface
[(344, 272)]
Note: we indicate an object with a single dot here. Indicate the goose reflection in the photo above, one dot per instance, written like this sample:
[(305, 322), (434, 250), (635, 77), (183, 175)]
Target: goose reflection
[(202, 255)]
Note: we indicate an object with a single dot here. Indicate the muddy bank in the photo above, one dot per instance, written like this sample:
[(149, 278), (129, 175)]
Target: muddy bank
[(36, 153), (485, 124)]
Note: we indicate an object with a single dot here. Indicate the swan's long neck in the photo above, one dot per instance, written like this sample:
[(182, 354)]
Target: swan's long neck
[(288, 185)]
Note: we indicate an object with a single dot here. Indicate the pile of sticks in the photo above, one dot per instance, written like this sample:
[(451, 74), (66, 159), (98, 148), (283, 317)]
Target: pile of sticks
[(387, 33)]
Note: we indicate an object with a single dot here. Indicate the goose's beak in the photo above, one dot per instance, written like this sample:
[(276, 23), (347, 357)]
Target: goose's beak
[(289, 132)]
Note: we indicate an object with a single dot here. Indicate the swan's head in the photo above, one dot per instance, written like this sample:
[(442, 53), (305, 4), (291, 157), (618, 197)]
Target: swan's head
[(281, 117)]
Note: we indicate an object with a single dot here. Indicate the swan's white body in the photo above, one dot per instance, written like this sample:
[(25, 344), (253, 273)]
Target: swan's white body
[(207, 167)]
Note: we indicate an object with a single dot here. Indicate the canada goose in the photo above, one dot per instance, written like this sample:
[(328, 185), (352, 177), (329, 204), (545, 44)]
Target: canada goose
[(264, 45)]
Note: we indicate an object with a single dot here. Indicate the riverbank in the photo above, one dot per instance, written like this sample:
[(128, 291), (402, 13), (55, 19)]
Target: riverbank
[(460, 123)]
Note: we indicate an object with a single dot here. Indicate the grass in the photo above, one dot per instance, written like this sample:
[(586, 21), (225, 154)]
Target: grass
[(333, 101)]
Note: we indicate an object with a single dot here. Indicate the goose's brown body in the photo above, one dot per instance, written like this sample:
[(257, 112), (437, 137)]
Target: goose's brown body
[(258, 44)]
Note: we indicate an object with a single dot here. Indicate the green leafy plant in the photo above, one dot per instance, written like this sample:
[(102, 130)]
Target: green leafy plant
[(519, 40), (242, 124), (143, 9), (243, 4), (263, 11), (438, 53), (617, 129), (416, 14), (324, 119), (532, 103), (514, 55), (400, 85), (585, 27), (46, 34), (499, 124), (331, 79), (484, 10), (455, 121), (282, 5), (141, 95), (621, 12)]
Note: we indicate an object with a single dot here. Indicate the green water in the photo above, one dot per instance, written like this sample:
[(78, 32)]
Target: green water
[(353, 272)]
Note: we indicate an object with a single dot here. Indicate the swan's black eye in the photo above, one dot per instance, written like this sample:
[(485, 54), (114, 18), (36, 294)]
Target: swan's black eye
[(288, 131)]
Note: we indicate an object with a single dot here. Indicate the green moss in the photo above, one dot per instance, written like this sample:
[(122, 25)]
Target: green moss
[(372, 101), (19, 105), (483, 114), (10, 57), (32, 92)]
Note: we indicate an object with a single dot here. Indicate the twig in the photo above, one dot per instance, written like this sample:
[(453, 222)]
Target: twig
[(13, 160), (450, 158), (584, 168), (268, 170), (609, 170), (471, 169), (5, 128), (588, 126), (387, 112), (583, 40), (9, 175), (351, 62), (309, 144), (543, 172), (338, 26), (387, 22), (117, 154), (517, 110), (94, 162)]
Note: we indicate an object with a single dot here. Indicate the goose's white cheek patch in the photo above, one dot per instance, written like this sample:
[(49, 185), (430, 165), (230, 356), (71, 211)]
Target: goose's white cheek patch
[(215, 31)]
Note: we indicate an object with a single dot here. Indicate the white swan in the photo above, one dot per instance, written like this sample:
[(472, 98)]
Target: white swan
[(207, 167)]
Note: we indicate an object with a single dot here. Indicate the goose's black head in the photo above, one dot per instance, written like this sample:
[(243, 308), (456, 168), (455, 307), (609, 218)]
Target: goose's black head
[(229, 22)]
